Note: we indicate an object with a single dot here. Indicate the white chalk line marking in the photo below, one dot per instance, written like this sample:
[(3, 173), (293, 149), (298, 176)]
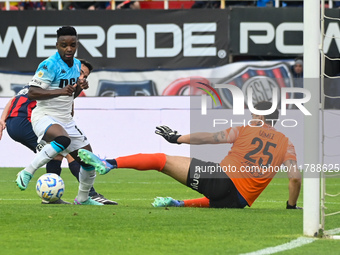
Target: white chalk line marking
[(292, 244), (283, 247)]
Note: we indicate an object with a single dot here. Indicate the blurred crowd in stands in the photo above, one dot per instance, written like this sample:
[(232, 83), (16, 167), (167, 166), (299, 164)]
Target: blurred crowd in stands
[(88, 5), (50, 5)]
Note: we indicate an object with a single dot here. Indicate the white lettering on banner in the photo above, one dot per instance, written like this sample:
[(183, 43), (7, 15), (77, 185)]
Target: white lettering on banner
[(245, 27), (152, 30), (45, 41), (190, 39), (13, 35), (332, 33), (271, 34), (138, 42), (91, 44), (280, 37), (185, 39)]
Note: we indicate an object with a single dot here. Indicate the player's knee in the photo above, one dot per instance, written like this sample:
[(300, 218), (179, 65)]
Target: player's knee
[(62, 141)]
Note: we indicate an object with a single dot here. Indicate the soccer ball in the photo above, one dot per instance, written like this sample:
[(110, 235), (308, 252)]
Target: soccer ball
[(50, 187)]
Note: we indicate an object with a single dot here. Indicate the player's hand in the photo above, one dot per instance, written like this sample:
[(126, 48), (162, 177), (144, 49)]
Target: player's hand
[(170, 135), (2, 127), (292, 206), (68, 90), (83, 83)]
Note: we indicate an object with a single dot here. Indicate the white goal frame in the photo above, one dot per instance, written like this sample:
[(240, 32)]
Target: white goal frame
[(311, 56)]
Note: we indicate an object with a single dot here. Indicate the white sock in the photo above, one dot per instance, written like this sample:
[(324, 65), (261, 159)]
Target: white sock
[(86, 180), (41, 158)]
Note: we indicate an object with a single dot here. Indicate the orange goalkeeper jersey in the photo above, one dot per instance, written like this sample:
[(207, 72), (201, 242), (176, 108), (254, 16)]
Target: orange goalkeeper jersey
[(255, 157)]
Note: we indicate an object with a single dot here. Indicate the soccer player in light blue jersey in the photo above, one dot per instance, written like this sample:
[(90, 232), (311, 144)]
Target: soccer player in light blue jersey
[(54, 86)]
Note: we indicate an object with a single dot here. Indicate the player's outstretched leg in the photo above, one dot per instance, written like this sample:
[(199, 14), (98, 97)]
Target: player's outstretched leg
[(170, 202), (23, 179), (100, 165), (167, 202)]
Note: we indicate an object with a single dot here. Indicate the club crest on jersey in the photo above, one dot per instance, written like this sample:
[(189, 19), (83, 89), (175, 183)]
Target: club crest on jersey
[(262, 80)]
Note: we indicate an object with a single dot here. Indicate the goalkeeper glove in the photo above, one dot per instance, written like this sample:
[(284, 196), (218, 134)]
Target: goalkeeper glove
[(292, 206), (170, 135)]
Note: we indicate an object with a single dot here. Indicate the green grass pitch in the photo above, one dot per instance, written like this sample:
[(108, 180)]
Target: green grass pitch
[(135, 227)]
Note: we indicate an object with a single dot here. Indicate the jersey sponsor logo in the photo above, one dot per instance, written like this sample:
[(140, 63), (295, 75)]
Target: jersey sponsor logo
[(64, 82), (40, 74), (35, 81)]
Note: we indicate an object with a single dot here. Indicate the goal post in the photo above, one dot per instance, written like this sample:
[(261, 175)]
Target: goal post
[(311, 56)]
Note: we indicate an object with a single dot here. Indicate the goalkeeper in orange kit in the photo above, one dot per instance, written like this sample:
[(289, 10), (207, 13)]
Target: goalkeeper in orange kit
[(257, 153)]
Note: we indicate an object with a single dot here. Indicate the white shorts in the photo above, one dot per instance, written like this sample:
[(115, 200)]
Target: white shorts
[(78, 139)]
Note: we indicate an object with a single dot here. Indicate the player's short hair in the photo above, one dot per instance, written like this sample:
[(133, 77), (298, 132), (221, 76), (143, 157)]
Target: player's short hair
[(66, 30), (87, 64), (265, 105)]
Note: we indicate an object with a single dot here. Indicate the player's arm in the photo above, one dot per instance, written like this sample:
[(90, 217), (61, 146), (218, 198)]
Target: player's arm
[(41, 81), (4, 116), (294, 185), (135, 5), (38, 93), (204, 138), (77, 91), (172, 136), (80, 86)]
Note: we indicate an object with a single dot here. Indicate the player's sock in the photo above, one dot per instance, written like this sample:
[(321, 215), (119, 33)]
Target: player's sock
[(199, 202), (92, 192), (47, 153), (54, 166), (86, 180), (74, 168), (141, 161)]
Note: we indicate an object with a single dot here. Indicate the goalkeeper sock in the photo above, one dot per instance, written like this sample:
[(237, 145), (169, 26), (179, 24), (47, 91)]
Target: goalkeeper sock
[(54, 166), (199, 202), (141, 161)]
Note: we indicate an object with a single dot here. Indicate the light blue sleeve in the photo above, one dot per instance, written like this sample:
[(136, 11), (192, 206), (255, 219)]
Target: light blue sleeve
[(44, 75)]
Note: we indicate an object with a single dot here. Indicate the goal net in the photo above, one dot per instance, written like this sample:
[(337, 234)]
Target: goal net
[(330, 117)]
